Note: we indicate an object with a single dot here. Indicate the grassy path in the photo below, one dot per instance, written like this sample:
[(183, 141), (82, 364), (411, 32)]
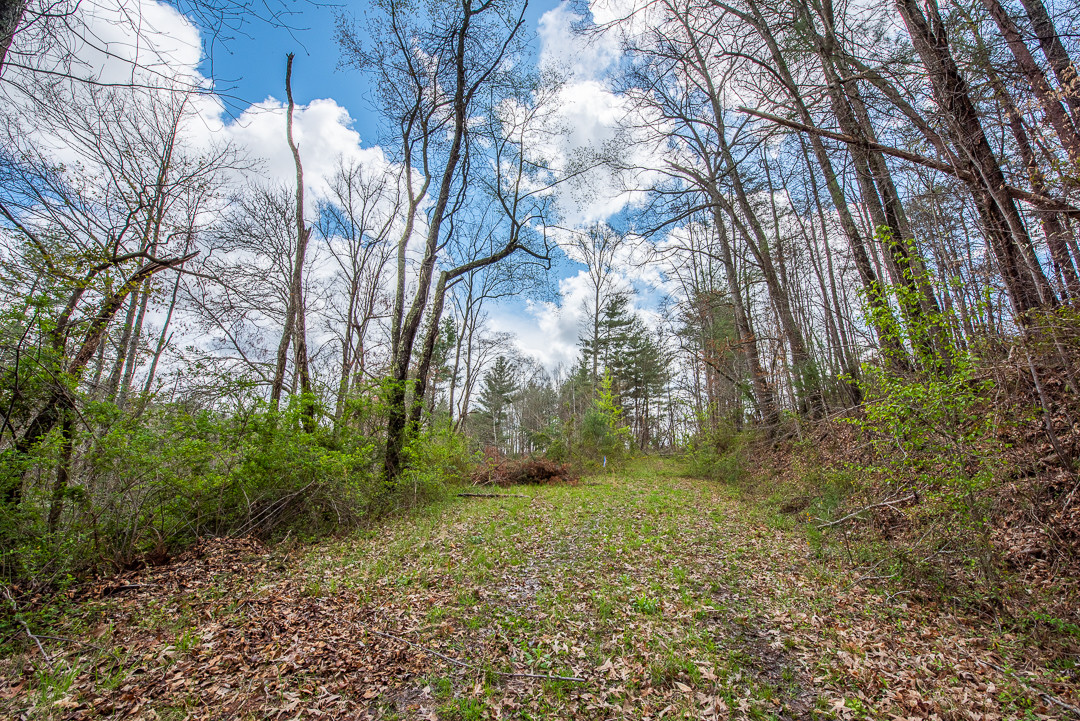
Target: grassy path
[(670, 597)]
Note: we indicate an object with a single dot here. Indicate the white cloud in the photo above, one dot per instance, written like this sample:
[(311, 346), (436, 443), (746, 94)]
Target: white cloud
[(323, 133), (549, 331), (141, 42), (565, 52), (150, 44), (593, 122)]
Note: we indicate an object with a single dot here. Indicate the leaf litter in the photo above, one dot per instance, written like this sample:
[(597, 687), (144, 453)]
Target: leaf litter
[(669, 596)]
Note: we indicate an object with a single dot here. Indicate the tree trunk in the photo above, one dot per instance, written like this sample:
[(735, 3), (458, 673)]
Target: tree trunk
[(763, 395), (296, 293), (112, 385), (881, 317), (11, 13), (1047, 96), (63, 470), (1053, 225), (1050, 41), (132, 360), (427, 352), (1027, 285)]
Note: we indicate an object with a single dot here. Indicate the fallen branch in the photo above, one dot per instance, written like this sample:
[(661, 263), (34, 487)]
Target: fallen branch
[(491, 495), (883, 504), (110, 590), (74, 640), (1047, 696), (463, 664), (26, 629), (48, 659)]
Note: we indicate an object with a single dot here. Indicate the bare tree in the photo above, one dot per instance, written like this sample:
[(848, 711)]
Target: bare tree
[(357, 222), (435, 71)]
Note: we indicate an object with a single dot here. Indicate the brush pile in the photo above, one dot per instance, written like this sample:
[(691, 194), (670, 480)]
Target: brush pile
[(498, 470)]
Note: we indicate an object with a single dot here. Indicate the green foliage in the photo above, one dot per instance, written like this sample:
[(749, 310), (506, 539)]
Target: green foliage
[(934, 428), (718, 453), (152, 480), (604, 433), (435, 458), (636, 362), (497, 393)]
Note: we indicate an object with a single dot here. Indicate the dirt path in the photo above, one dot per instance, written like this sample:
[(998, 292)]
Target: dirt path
[(667, 596)]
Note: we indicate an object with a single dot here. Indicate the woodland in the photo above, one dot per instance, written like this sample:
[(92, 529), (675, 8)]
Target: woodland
[(266, 452)]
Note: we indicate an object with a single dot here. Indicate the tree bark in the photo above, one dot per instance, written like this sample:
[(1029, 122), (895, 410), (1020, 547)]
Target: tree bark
[(296, 293), (1047, 97), (1027, 285), (1053, 225), (748, 347), (1050, 42), (11, 13), (63, 470)]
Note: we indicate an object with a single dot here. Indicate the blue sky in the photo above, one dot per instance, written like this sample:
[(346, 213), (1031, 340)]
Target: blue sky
[(250, 66), (334, 120)]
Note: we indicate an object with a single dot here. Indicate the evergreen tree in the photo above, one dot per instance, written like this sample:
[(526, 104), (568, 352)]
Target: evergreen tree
[(497, 393), (442, 367), (616, 327)]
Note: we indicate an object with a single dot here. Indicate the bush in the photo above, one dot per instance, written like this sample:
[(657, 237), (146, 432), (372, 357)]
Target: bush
[(436, 458), (717, 453), (937, 432), (146, 482)]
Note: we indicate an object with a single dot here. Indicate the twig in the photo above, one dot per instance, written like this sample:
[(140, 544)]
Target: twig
[(41, 648), (860, 579), (491, 495), (74, 640), (15, 614), (883, 504), (110, 590), (1030, 687), (463, 664)]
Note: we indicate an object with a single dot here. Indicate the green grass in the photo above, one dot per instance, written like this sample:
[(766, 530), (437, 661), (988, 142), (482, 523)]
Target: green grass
[(662, 591)]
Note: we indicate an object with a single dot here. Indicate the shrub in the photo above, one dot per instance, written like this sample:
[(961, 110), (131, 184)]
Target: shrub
[(147, 481), (604, 433)]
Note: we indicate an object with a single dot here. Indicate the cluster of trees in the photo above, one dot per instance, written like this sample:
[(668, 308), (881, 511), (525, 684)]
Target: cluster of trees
[(156, 286), (891, 181), (522, 408), (828, 185)]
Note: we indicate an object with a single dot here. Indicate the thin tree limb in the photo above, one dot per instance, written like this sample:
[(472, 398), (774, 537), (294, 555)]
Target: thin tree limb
[(883, 504), (1037, 199)]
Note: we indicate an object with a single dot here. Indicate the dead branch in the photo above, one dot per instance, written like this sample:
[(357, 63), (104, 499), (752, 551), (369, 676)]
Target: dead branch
[(26, 629), (76, 641), (883, 504), (491, 495)]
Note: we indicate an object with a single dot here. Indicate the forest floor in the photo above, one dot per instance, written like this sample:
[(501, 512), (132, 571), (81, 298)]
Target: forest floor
[(642, 595)]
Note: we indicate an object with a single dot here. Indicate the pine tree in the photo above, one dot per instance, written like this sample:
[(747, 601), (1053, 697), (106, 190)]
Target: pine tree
[(497, 393), (613, 337)]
